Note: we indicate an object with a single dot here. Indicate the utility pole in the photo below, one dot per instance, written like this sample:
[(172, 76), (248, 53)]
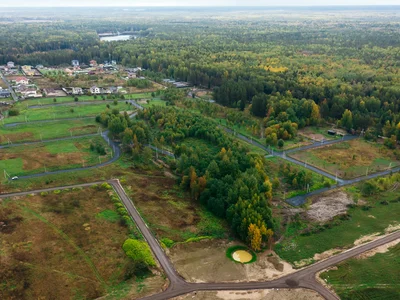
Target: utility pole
[(367, 171), (336, 178)]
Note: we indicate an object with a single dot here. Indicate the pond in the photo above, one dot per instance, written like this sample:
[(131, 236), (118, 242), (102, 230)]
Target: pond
[(242, 256), (117, 38)]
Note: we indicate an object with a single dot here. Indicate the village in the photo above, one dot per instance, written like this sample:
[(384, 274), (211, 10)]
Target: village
[(23, 82)]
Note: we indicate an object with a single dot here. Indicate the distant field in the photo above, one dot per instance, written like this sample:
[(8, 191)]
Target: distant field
[(51, 156), (50, 100), (153, 102), (341, 233), (62, 112), (349, 159), (375, 277), (64, 245), (35, 131)]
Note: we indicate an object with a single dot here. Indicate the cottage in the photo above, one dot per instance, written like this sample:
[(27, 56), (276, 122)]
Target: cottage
[(30, 93), (93, 63), (20, 80), (77, 91), (113, 62), (10, 65), (331, 132), (39, 66), (75, 63), (95, 90)]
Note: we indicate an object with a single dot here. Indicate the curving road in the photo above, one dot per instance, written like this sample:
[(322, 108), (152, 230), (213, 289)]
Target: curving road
[(304, 278)]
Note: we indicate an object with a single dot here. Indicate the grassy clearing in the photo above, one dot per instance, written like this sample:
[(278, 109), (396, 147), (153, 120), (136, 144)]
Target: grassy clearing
[(153, 102), (27, 132), (376, 277), (51, 156), (318, 133), (62, 112), (341, 232), (350, 159), (56, 244), (50, 100)]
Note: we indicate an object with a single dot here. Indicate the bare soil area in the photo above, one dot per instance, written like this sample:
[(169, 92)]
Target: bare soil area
[(206, 261), (324, 208), (271, 294)]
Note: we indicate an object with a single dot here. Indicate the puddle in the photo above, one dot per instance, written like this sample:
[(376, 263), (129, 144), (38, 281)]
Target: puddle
[(242, 256)]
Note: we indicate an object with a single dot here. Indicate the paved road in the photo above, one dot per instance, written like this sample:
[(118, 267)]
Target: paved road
[(9, 87), (304, 278)]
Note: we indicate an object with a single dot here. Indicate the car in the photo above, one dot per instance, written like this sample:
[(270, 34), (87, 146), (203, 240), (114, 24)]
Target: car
[(14, 178)]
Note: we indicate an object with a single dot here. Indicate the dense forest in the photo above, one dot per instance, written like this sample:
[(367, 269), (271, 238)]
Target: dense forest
[(293, 71)]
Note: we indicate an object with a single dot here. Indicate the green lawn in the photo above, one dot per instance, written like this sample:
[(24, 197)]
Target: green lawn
[(35, 132), (154, 102), (50, 100), (342, 234), (62, 112), (375, 277), (51, 156)]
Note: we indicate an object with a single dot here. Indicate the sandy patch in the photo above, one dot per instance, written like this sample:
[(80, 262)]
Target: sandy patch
[(326, 254), (366, 238), (206, 261), (328, 206), (272, 294), (392, 228), (380, 249)]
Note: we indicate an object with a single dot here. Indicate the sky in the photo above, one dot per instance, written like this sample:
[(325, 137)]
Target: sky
[(55, 3)]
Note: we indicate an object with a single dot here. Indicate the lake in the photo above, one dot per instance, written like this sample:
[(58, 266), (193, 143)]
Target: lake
[(117, 38)]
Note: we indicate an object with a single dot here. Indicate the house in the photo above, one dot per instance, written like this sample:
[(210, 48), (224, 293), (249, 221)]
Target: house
[(75, 63), (39, 66), (93, 63), (10, 65), (77, 91), (95, 90), (30, 93), (113, 62), (4, 93), (20, 80), (131, 75), (331, 132)]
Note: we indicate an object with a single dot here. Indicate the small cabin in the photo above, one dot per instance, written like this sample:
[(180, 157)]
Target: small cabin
[(332, 132)]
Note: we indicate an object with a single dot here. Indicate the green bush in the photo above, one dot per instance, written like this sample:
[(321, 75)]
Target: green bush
[(13, 112), (138, 251), (167, 242), (105, 186)]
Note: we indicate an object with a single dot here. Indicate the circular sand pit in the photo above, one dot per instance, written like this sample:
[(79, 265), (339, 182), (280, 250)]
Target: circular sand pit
[(241, 254)]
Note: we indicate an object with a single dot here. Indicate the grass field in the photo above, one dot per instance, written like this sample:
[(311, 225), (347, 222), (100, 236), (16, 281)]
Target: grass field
[(35, 132), (153, 102), (63, 245), (375, 277), (349, 159), (50, 156), (62, 112), (373, 217), (318, 133), (50, 100)]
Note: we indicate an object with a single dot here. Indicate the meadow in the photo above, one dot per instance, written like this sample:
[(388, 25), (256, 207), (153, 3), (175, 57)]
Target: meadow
[(375, 277), (63, 112), (51, 156), (27, 132), (350, 159), (64, 244)]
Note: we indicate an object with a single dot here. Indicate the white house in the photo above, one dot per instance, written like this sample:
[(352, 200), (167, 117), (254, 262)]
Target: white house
[(95, 90), (10, 64), (75, 63), (77, 91), (21, 80)]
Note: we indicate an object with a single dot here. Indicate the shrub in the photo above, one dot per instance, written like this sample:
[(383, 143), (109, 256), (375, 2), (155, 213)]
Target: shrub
[(105, 186), (167, 242), (13, 112), (138, 251)]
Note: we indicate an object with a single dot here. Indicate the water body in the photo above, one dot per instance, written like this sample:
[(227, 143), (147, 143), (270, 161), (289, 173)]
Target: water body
[(117, 38), (242, 256)]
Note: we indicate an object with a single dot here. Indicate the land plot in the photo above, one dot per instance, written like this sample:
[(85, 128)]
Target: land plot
[(66, 244), (375, 277), (51, 156), (67, 99), (27, 132), (350, 159), (307, 240), (152, 102), (318, 133), (63, 112)]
